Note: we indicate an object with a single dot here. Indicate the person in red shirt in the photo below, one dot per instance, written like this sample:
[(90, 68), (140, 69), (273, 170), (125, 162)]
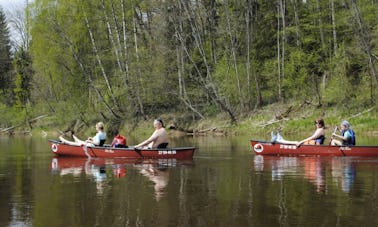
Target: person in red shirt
[(119, 141)]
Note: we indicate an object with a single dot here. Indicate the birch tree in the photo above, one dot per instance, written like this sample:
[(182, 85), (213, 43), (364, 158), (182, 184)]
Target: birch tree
[(365, 39), (203, 77)]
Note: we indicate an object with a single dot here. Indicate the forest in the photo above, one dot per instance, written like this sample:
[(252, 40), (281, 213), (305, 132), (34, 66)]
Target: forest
[(132, 60)]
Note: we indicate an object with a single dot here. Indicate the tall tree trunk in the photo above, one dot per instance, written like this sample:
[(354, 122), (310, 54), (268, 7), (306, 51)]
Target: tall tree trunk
[(365, 39), (125, 58), (319, 11), (98, 58), (207, 82), (180, 63), (85, 72), (232, 38), (296, 20), (115, 48), (334, 32), (247, 17), (249, 32), (140, 103), (283, 43), (280, 98), (91, 83), (121, 52), (213, 14)]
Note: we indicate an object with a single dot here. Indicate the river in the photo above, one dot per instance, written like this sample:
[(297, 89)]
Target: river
[(224, 185)]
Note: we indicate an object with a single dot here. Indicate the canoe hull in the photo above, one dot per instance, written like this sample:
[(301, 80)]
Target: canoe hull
[(61, 149), (269, 148)]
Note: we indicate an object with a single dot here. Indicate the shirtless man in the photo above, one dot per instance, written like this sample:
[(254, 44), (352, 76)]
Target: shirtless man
[(159, 136)]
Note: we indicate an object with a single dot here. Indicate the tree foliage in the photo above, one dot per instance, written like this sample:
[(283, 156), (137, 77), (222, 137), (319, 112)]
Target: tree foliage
[(6, 82), (137, 58)]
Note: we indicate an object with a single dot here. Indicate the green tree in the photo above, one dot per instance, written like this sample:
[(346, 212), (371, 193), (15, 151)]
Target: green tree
[(141, 58), (24, 73), (6, 82)]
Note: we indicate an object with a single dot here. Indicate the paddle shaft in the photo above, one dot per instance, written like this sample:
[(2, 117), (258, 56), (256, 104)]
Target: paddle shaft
[(334, 131), (138, 151)]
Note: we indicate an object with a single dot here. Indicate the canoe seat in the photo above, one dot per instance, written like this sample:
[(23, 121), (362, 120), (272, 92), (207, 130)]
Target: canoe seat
[(101, 143), (320, 140), (162, 145)]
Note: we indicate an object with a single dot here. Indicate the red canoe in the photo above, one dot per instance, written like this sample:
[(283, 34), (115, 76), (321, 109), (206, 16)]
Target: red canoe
[(63, 149), (269, 148)]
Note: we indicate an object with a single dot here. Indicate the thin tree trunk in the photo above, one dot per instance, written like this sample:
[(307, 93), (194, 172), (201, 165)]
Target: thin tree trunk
[(178, 26), (248, 13), (125, 41), (233, 54), (283, 18), (125, 55), (296, 19), (320, 25), (94, 47), (207, 82), (365, 38), (334, 32), (98, 91), (249, 31), (85, 73), (111, 37), (180, 64), (212, 32), (140, 103), (182, 90), (279, 57)]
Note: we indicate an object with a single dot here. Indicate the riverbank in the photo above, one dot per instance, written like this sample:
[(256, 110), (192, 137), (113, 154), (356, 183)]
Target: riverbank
[(289, 119), (292, 119)]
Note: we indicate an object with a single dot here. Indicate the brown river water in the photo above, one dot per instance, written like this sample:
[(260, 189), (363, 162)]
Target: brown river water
[(225, 184)]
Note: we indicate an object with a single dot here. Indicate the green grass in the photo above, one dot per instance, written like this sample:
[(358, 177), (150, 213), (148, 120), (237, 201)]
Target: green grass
[(259, 123)]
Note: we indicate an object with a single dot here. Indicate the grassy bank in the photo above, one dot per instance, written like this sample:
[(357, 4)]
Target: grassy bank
[(289, 119)]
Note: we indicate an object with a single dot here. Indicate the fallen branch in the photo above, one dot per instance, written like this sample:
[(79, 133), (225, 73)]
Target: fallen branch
[(284, 114), (273, 122), (365, 111), (8, 129), (207, 130), (37, 118), (19, 125)]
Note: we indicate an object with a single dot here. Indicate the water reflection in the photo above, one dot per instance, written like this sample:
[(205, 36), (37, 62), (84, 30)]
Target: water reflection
[(314, 169), (344, 173), (93, 167), (158, 175), (97, 169), (102, 171)]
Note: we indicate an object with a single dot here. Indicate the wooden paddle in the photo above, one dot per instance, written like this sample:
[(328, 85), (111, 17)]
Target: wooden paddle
[(137, 150), (334, 131)]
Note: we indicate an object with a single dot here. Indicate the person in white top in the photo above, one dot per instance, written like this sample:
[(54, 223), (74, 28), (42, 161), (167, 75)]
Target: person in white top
[(159, 139), (97, 140)]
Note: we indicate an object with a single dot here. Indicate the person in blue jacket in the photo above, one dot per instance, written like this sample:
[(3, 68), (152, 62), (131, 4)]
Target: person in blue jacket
[(347, 136)]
